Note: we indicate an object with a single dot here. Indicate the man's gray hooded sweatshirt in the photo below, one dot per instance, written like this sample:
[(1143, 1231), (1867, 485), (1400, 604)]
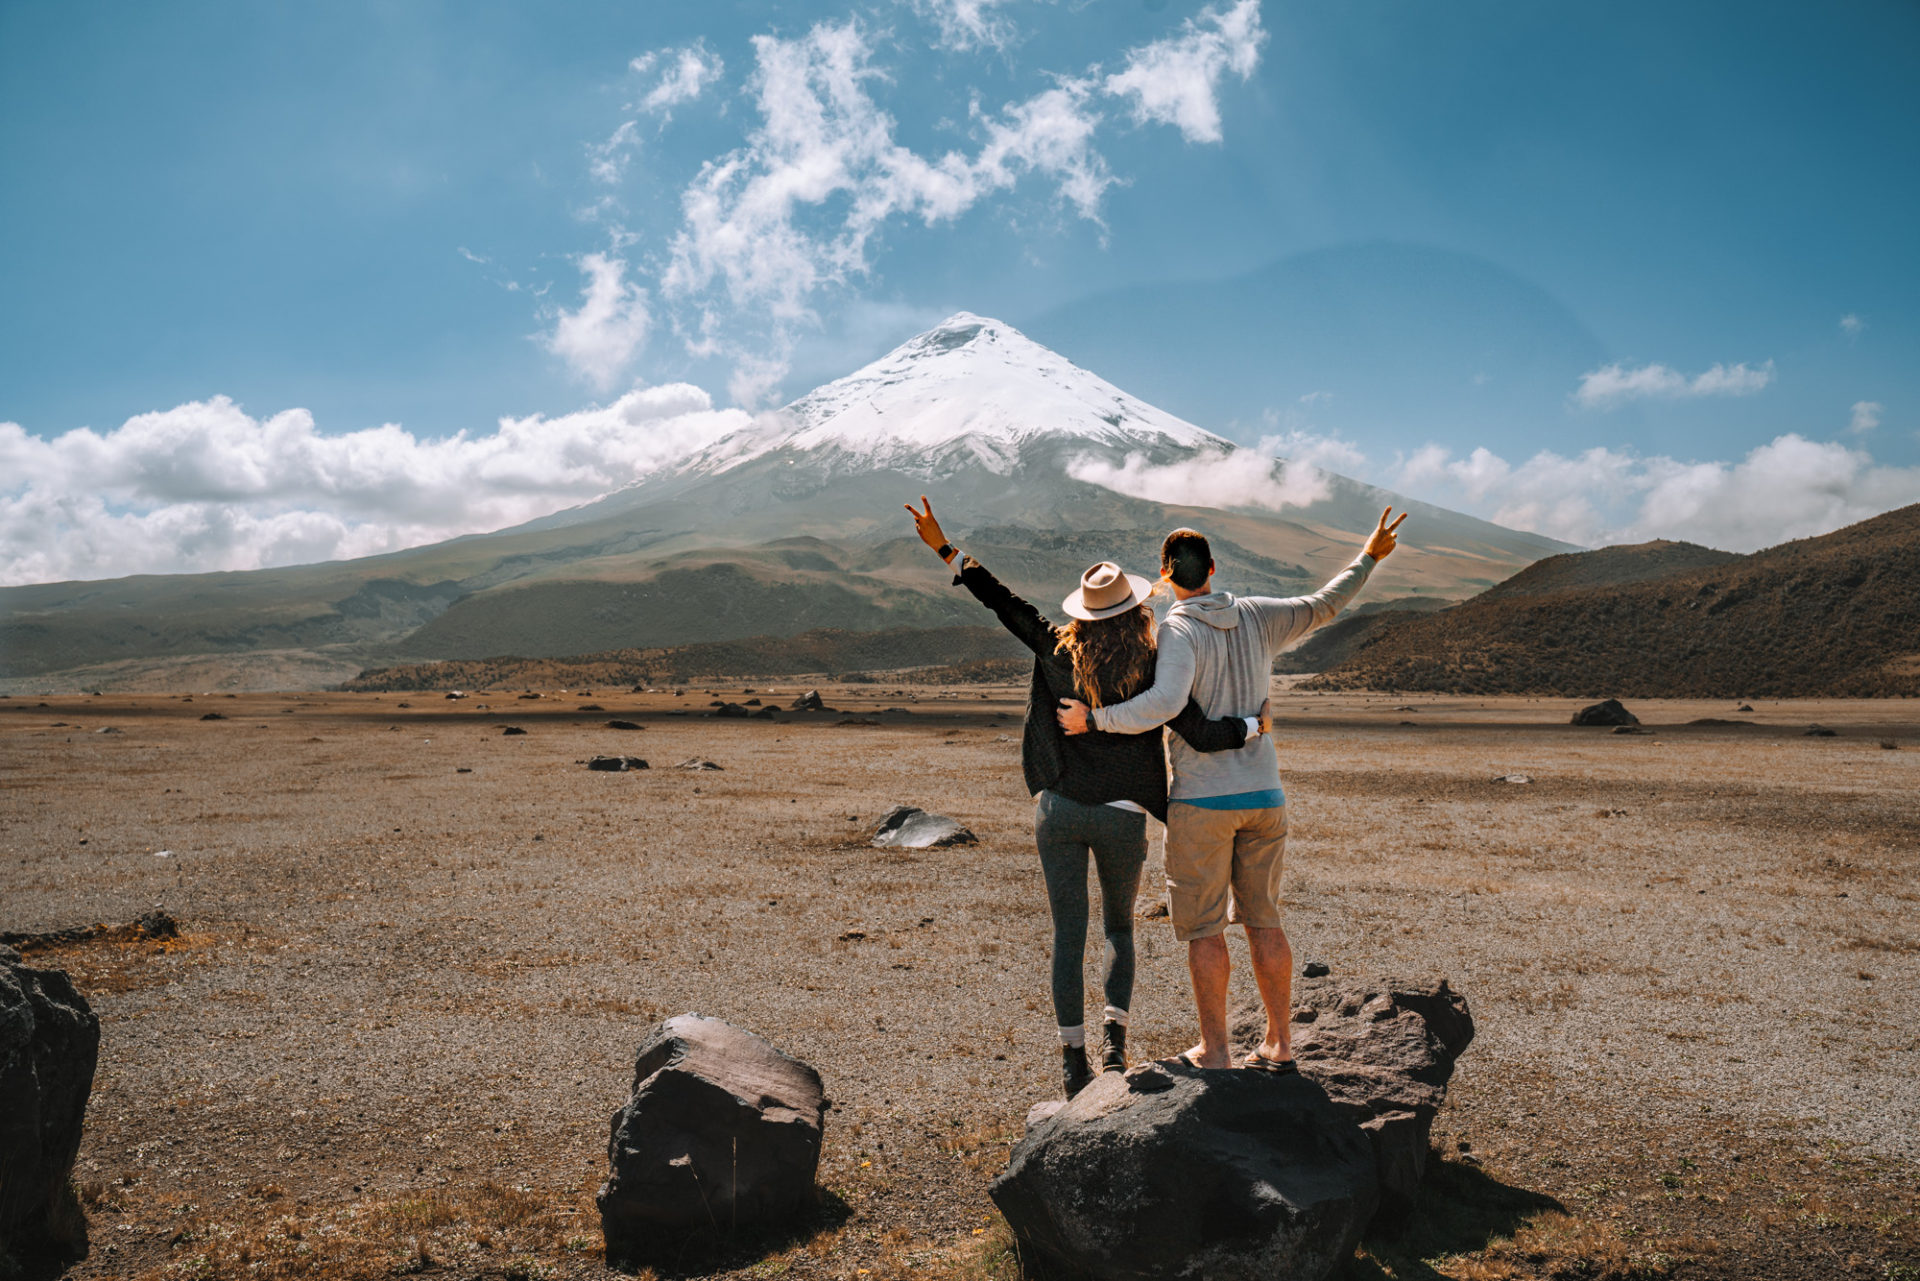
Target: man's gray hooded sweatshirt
[(1219, 650)]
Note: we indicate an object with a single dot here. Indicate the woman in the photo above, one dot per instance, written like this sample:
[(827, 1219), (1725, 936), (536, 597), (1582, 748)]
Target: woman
[(1095, 790)]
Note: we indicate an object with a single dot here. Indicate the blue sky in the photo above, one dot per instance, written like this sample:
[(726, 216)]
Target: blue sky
[(1600, 270)]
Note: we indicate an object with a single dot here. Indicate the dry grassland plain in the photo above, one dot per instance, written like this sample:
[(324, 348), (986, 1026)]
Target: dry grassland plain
[(418, 953)]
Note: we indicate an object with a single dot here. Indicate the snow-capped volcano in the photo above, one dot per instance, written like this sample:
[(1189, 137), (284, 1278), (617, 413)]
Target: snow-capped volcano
[(970, 392), (795, 522)]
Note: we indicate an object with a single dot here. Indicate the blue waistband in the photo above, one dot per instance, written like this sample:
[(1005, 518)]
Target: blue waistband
[(1271, 798)]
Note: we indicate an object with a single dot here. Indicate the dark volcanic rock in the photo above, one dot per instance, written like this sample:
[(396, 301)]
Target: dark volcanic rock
[(622, 725), (49, 1045), (731, 710), (809, 702), (616, 763), (1172, 1171), (722, 1131), (698, 763), (1315, 970), (908, 828), (216, 716), (1819, 731), (765, 714), (1384, 1051), (511, 729), (158, 924), (1607, 713)]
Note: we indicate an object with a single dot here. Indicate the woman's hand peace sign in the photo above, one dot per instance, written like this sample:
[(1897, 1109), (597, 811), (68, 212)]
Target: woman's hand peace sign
[(926, 525), (1380, 543)]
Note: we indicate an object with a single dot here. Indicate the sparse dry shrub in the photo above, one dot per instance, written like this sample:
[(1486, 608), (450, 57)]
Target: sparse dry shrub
[(514, 1231)]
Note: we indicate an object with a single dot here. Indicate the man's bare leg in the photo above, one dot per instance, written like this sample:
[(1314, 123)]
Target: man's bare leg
[(1210, 966), (1273, 971)]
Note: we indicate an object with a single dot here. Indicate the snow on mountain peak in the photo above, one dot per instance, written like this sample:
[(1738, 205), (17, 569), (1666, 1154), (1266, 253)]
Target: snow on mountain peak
[(971, 390)]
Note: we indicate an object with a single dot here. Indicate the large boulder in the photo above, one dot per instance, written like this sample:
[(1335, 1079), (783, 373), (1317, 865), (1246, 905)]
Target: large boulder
[(1384, 1050), (809, 702), (1611, 712), (49, 1045), (722, 1132), (1174, 1171), (907, 827)]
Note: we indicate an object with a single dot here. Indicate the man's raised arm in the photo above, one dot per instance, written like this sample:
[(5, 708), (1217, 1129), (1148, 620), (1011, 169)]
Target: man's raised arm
[(1150, 708), (1283, 621)]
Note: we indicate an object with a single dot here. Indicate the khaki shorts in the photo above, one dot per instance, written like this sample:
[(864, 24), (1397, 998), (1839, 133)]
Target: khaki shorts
[(1223, 866)]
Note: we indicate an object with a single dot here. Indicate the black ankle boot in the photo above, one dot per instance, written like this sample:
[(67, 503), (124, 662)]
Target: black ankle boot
[(1074, 1072), (1114, 1058)]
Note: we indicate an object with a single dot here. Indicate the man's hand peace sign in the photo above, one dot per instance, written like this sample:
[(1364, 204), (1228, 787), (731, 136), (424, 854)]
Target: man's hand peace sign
[(1381, 542)]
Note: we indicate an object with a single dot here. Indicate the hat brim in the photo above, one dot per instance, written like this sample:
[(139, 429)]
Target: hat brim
[(1075, 604)]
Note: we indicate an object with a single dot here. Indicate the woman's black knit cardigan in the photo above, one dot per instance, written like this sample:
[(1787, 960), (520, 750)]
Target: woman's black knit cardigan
[(1096, 767)]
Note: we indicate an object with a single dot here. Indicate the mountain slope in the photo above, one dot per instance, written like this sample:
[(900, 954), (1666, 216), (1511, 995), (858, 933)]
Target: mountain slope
[(1835, 616), (844, 654), (791, 524)]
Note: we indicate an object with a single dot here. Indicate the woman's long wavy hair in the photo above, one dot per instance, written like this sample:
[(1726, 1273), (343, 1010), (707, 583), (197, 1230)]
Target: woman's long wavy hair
[(1112, 657)]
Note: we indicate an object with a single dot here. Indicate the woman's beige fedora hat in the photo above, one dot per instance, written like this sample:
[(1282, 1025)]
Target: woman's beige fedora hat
[(1106, 590)]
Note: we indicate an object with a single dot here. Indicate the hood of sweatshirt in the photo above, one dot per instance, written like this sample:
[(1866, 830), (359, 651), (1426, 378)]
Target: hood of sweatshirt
[(1216, 609)]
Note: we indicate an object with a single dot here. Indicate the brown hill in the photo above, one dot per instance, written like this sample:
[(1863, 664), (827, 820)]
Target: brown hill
[(826, 650), (1609, 567), (1834, 616)]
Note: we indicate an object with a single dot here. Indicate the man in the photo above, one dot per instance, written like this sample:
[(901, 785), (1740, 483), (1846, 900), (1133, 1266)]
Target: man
[(1227, 821)]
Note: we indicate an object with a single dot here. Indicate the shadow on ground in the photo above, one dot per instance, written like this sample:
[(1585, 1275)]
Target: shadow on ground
[(703, 1253), (1462, 1210)]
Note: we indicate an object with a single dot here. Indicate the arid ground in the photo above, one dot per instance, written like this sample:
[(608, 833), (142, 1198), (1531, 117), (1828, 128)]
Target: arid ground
[(418, 953)]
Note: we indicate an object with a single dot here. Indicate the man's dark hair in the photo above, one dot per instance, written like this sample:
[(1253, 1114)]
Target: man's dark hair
[(1186, 558)]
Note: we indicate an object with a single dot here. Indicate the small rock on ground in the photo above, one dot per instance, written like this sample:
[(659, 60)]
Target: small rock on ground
[(616, 763), (1611, 712), (910, 828)]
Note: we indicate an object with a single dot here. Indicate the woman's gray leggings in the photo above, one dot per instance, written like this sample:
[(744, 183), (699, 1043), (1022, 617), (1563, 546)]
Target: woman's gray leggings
[(1066, 831)]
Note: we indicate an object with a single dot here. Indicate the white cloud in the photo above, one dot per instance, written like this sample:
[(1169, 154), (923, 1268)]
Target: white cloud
[(607, 161), (1176, 81), (793, 210), (1230, 478), (1310, 447), (1866, 416), (685, 74), (968, 24), (1050, 133), (600, 338), (1788, 488), (205, 486), (1852, 325), (1614, 384)]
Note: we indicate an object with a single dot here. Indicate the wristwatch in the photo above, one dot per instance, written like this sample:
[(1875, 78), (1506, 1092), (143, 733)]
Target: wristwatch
[(944, 551)]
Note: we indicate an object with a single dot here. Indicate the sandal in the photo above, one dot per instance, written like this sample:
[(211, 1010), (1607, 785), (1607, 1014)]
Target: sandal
[(1261, 1063)]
